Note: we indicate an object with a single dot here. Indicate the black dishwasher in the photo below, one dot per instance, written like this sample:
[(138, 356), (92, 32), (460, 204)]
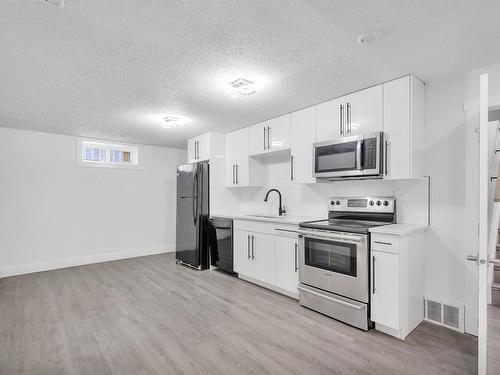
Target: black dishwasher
[(220, 243)]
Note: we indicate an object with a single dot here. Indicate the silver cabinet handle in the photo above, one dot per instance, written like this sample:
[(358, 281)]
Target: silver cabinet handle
[(358, 155), (383, 243), (348, 122), (268, 137), (386, 158), (291, 167), (264, 137), (248, 246), (341, 111), (296, 256), (347, 304), (234, 181), (253, 247), (236, 174), (373, 274)]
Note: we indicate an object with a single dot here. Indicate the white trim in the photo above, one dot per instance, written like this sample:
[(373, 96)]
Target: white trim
[(79, 261), (134, 148), (473, 104)]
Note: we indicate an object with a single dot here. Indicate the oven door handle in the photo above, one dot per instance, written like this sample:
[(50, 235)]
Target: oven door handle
[(336, 237), (331, 298)]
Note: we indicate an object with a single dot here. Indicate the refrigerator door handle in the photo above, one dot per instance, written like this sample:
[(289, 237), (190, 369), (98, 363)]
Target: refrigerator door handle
[(195, 197)]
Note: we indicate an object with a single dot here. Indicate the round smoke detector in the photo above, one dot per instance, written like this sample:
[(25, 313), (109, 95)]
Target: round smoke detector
[(369, 36)]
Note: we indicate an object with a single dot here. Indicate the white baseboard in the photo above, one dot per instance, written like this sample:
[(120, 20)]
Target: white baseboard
[(80, 261)]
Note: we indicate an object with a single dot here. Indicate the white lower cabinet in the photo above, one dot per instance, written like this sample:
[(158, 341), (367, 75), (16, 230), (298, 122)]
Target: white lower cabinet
[(254, 255), (397, 282), (287, 267), (385, 289), (267, 254)]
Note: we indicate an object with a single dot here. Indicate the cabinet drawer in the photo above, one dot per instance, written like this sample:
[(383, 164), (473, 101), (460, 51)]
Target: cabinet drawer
[(254, 226), (385, 243), (286, 230)]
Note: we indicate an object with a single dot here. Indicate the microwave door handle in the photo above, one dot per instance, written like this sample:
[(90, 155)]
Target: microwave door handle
[(359, 154)]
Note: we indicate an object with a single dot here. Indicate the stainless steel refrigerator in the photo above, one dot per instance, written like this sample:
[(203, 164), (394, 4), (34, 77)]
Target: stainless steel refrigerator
[(192, 215)]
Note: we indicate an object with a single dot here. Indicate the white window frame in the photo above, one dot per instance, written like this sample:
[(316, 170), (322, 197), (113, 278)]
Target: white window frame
[(134, 149)]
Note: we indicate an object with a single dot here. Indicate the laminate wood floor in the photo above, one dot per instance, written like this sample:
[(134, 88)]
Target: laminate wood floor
[(150, 316)]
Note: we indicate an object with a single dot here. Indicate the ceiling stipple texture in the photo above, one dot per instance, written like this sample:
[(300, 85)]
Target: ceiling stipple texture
[(113, 69)]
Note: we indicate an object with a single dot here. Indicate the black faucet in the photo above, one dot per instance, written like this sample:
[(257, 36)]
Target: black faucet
[(281, 209)]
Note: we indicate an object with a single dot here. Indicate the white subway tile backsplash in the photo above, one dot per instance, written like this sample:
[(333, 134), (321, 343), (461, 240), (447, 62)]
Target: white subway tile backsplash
[(312, 199)]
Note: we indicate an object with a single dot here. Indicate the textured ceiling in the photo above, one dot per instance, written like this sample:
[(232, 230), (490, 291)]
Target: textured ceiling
[(113, 69)]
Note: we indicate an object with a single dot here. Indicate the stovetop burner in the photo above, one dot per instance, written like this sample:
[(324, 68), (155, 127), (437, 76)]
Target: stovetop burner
[(356, 215)]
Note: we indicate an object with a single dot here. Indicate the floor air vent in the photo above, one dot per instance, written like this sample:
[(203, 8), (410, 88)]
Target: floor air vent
[(444, 313)]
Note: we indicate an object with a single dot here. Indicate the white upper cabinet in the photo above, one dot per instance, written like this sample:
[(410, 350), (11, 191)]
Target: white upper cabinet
[(302, 135), (240, 170), (404, 128), (356, 113), (269, 136), (200, 147), (330, 120), (364, 111)]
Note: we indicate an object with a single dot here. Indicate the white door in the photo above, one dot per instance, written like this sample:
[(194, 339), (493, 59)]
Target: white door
[(302, 135), (328, 119), (242, 177), (397, 128), (287, 276), (257, 139), (263, 254), (385, 289), (192, 148), (481, 259), (278, 133), (241, 248), (364, 112)]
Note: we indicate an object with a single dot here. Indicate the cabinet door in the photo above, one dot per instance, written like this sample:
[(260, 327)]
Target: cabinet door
[(203, 147), (385, 289), (328, 120), (278, 136), (242, 256), (257, 138), (302, 129), (237, 165), (365, 111), (287, 276), (192, 150), (397, 128), (263, 254)]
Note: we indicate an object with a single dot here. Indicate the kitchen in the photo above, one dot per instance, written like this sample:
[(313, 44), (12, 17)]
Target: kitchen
[(295, 192)]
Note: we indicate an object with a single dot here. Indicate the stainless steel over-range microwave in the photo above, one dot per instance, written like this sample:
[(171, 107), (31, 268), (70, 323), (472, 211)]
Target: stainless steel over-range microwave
[(358, 156)]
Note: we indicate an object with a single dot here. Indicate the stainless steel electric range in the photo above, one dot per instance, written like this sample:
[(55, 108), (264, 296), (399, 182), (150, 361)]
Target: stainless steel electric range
[(334, 268)]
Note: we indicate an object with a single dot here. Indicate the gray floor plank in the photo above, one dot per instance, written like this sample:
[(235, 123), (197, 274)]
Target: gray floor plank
[(150, 316)]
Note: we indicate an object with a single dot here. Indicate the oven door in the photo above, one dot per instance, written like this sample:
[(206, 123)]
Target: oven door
[(341, 158), (336, 262)]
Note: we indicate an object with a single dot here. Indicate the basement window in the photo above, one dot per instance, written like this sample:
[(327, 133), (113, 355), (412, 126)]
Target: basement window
[(93, 153)]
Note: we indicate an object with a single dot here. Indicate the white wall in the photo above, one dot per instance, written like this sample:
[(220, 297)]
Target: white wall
[(55, 214), (312, 199), (445, 144)]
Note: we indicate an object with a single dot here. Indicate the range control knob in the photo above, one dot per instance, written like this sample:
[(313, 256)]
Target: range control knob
[(332, 202), (386, 203), (379, 203), (372, 203), (338, 203)]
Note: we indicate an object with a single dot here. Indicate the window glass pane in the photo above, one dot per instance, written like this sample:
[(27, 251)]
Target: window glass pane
[(94, 154), (119, 156)]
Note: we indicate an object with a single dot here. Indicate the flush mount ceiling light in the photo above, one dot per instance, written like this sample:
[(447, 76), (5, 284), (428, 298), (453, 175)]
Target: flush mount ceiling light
[(241, 87), (369, 36), (171, 122)]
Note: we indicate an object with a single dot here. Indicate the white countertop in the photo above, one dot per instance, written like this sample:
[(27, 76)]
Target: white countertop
[(399, 229), (285, 219)]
